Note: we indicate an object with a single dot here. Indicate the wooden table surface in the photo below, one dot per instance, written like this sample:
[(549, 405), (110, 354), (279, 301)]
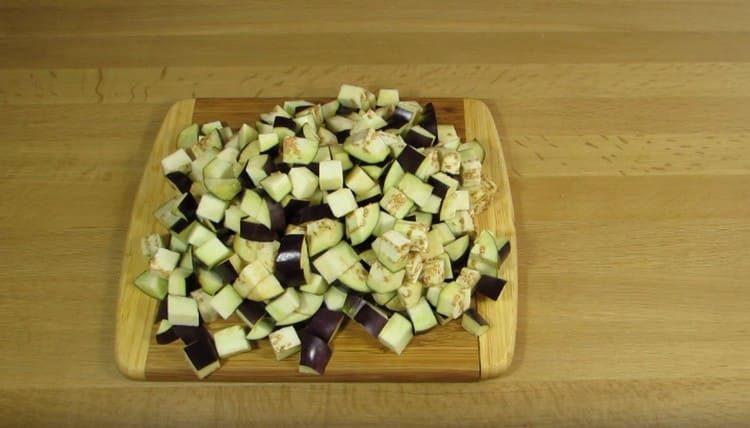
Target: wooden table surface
[(626, 127)]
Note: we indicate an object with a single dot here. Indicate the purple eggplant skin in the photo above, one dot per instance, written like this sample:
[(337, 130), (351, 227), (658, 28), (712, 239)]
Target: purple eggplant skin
[(439, 188), (161, 311), (180, 180), (410, 159), (462, 261), (256, 232), (365, 245), (473, 314), (180, 225), (288, 268), (201, 352), (166, 337), (504, 252), (277, 215), (416, 139), (429, 119), (343, 135), (490, 286), (370, 200), (353, 304), (250, 312), (294, 206), (314, 168), (399, 118), (284, 122), (188, 205), (245, 181), (312, 213), (315, 353), (189, 334), (325, 323), (191, 284), (372, 320), (226, 271), (344, 110)]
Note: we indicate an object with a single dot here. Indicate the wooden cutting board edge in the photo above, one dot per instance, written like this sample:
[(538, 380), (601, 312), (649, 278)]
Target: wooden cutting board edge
[(496, 347)]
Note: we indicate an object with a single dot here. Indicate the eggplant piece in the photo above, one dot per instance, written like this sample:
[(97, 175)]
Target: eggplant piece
[(188, 334), (246, 182), (291, 260), (399, 117), (285, 342), (335, 298), (161, 311), (226, 271), (325, 323), (284, 305), (341, 202), (490, 286), (396, 334), (343, 110), (182, 282), (322, 234), (503, 252), (421, 316), (256, 232), (231, 341), (180, 180), (285, 122), (314, 355), (277, 185), (371, 319), (419, 137), (188, 137), (165, 333), (261, 329), (202, 357), (312, 213), (213, 252), (293, 206), (276, 215), (352, 305), (439, 187), (226, 301), (429, 119), (182, 311), (335, 261), (207, 312), (474, 323), (367, 146), (250, 312), (410, 159), (331, 175)]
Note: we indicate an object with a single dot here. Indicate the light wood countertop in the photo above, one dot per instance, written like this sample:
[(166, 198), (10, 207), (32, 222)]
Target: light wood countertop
[(626, 128)]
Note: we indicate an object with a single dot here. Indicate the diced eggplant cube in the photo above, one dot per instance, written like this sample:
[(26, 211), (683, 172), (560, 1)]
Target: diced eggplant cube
[(165, 333), (474, 323), (387, 97), (284, 342), (164, 262), (202, 357), (213, 252), (284, 305), (315, 355), (231, 341), (421, 316), (211, 208), (182, 311), (396, 203), (396, 334), (226, 301)]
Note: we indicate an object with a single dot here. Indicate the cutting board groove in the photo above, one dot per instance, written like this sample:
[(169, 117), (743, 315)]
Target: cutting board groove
[(446, 353)]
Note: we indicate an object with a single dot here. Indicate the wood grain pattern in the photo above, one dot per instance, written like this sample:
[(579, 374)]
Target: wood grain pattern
[(135, 310), (624, 124), (445, 354)]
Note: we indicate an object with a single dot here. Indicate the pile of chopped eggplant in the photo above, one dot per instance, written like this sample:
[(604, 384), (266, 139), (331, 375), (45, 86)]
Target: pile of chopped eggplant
[(361, 208)]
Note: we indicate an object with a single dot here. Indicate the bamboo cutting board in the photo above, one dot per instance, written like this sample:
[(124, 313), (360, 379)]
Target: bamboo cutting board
[(447, 353)]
